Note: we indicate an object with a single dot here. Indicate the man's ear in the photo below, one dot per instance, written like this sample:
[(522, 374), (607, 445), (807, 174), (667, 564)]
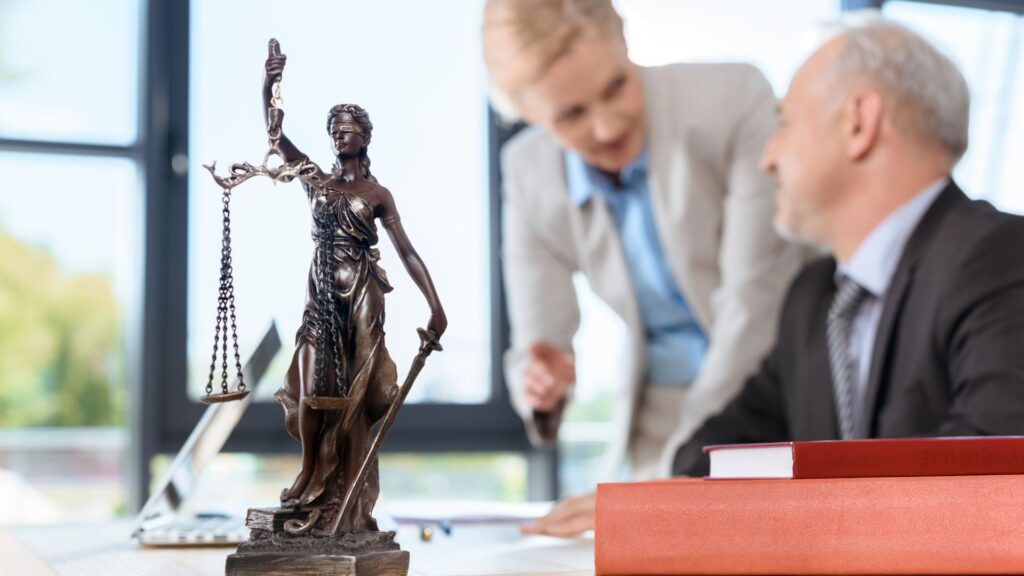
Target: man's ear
[(862, 123)]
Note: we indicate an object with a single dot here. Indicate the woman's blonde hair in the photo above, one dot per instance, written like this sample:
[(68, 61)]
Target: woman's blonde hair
[(523, 38)]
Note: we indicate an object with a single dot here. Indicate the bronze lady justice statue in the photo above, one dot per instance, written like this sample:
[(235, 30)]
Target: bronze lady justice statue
[(341, 380)]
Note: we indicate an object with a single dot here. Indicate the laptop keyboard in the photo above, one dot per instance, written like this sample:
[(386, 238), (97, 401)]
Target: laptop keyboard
[(201, 529)]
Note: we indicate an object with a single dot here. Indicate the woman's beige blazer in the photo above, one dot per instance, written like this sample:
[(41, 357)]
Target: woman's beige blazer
[(713, 208)]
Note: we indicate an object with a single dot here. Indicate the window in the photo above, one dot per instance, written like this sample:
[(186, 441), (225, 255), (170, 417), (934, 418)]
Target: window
[(987, 47), (73, 83), (70, 255), (233, 482), (105, 122), (430, 148), (428, 108), (774, 36)]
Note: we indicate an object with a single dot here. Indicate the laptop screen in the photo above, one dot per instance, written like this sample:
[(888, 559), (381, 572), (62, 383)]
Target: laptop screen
[(206, 440)]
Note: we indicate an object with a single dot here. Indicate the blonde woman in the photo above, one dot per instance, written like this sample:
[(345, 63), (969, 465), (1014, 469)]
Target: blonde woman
[(646, 181)]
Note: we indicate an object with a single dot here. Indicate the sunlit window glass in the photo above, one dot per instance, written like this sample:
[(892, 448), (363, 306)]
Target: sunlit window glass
[(987, 47), (774, 36), (69, 70), (235, 481), (69, 280), (421, 80)]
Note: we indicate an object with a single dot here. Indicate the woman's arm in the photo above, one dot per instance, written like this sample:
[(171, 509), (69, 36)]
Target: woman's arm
[(388, 214), (538, 262)]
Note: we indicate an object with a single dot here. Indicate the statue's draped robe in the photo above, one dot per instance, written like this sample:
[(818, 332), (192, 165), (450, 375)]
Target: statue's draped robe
[(358, 286)]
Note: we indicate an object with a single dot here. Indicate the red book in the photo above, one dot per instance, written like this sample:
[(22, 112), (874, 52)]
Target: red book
[(922, 525), (870, 458)]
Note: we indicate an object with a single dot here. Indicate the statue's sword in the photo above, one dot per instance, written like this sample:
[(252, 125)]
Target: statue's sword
[(428, 344)]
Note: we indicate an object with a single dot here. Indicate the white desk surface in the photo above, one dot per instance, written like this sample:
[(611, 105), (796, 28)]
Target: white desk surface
[(106, 549)]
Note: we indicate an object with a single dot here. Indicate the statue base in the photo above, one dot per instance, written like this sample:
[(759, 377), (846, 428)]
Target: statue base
[(272, 550), (394, 563)]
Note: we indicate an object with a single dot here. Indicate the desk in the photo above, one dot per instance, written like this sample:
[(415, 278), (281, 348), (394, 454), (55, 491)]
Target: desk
[(105, 549)]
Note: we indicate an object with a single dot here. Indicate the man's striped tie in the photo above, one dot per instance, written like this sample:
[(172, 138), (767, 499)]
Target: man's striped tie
[(841, 313)]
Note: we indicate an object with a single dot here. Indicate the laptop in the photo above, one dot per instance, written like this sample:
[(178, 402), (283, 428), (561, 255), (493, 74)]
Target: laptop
[(162, 520)]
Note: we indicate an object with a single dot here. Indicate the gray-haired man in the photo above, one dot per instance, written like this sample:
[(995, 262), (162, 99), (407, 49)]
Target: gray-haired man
[(914, 326)]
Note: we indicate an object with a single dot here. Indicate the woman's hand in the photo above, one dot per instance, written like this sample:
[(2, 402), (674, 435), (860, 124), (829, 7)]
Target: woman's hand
[(570, 517), (548, 375)]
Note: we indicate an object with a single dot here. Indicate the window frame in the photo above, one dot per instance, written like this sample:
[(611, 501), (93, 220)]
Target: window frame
[(139, 153), (164, 415), (161, 413), (1012, 6)]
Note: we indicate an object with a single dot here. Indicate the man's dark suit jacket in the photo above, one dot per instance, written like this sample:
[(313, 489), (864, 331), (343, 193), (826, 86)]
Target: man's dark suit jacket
[(949, 352)]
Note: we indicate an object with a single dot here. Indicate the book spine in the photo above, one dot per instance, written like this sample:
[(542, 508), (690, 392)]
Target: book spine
[(867, 459), (920, 525)]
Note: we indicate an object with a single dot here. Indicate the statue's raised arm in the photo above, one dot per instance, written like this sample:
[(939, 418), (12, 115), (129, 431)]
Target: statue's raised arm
[(272, 114), (293, 163)]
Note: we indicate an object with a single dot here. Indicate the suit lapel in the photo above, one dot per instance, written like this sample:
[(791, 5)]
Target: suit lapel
[(887, 325), (605, 267), (899, 290), (670, 197)]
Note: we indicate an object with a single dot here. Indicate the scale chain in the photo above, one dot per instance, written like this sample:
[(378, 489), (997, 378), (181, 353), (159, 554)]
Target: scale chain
[(225, 308)]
